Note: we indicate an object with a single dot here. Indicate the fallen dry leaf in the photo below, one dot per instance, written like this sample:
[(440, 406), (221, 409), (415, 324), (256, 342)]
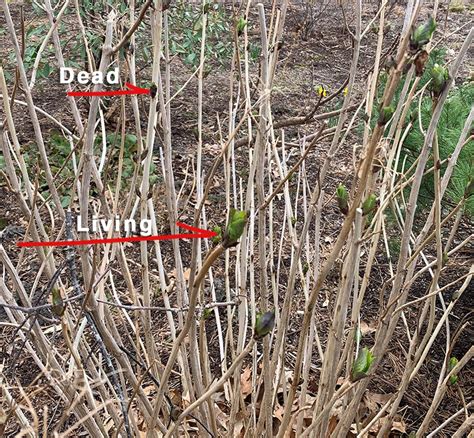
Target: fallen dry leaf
[(246, 382), (366, 328), (278, 412), (399, 426), (374, 401), (186, 274)]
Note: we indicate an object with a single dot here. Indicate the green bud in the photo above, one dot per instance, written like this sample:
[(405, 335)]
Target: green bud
[(422, 34), (264, 324), (369, 205), (235, 227), (216, 239), (452, 363), (362, 364), (453, 379), (386, 114), (241, 23), (445, 259), (439, 77), (206, 314), (342, 198), (57, 302)]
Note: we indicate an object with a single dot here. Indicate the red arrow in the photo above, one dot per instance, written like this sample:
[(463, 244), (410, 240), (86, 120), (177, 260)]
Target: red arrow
[(199, 233), (133, 89)]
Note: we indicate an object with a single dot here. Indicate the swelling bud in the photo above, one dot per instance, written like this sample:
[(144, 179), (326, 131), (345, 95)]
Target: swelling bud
[(57, 302), (453, 361), (362, 364), (342, 198), (422, 35), (235, 227), (369, 204), (264, 324), (439, 77)]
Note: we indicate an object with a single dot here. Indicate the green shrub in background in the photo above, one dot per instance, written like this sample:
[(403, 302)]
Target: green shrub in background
[(59, 154), (185, 24), (450, 125)]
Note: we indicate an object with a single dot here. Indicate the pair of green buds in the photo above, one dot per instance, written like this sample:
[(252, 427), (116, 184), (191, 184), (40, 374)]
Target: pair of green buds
[(342, 196), (439, 76), (419, 38), (365, 359), (234, 230), (453, 361)]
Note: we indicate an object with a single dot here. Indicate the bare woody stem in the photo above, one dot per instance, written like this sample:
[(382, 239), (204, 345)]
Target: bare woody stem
[(190, 318)]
